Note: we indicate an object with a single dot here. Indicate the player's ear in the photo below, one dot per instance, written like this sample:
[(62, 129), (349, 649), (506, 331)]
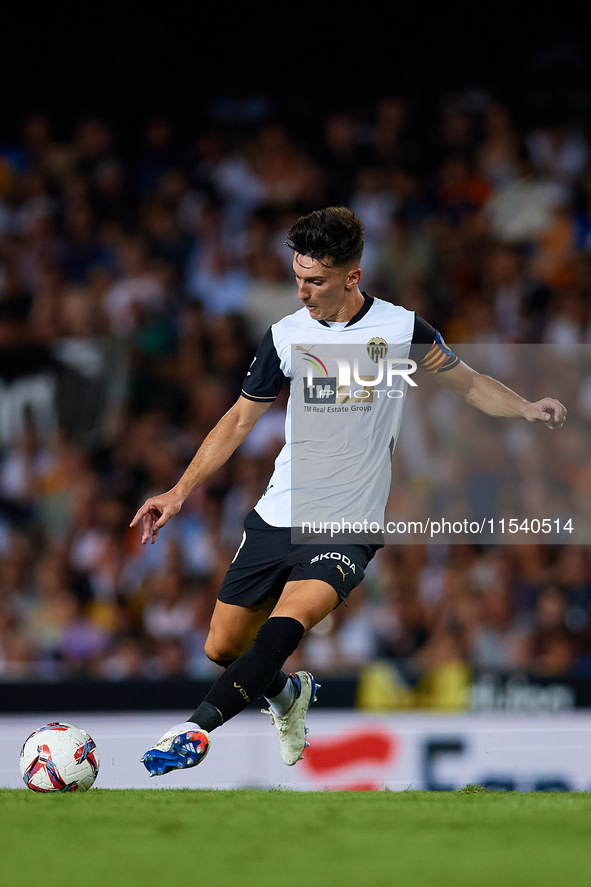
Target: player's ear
[(353, 278)]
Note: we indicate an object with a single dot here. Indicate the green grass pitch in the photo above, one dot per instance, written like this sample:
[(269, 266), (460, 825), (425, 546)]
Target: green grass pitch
[(279, 839)]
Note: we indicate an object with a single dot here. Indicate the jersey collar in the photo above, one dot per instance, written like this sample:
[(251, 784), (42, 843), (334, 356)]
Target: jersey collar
[(367, 303)]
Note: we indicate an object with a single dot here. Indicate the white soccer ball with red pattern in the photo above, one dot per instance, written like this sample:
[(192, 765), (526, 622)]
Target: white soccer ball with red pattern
[(59, 758)]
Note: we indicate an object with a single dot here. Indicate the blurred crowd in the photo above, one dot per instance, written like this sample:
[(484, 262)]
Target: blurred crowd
[(135, 284)]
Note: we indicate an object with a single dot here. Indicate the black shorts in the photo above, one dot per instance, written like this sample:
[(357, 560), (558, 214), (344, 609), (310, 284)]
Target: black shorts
[(266, 560)]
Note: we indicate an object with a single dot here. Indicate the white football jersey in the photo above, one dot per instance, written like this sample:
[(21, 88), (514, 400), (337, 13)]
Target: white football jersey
[(348, 383)]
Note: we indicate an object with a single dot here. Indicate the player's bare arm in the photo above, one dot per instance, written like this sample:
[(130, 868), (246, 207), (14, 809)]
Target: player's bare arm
[(216, 449), (492, 397)]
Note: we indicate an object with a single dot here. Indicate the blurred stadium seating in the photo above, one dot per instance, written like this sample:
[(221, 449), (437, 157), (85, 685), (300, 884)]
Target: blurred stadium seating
[(134, 287)]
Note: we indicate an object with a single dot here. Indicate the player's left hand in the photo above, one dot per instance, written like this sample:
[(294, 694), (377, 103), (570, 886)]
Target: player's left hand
[(547, 410)]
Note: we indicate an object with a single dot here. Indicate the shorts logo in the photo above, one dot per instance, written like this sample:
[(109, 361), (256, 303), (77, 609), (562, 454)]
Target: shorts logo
[(335, 556), (342, 571)]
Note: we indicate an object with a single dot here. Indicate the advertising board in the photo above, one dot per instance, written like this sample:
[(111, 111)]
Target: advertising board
[(348, 751)]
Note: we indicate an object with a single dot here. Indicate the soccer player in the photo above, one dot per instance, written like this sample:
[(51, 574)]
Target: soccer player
[(276, 589)]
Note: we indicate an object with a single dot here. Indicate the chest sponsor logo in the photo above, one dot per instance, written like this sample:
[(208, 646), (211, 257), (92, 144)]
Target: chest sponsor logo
[(322, 390), (350, 386)]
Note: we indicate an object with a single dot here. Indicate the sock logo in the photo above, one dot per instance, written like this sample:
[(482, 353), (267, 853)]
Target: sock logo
[(242, 691)]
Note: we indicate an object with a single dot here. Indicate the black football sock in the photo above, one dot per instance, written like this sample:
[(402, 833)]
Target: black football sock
[(274, 688), (252, 675), (276, 685), (207, 716)]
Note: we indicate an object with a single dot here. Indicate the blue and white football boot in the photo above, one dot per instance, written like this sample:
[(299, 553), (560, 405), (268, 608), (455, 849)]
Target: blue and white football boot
[(291, 728), (177, 751)]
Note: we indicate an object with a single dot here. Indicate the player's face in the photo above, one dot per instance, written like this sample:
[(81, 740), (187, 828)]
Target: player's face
[(324, 290)]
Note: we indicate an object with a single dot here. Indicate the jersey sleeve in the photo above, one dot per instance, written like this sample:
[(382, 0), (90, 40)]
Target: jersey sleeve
[(264, 379), (429, 350)]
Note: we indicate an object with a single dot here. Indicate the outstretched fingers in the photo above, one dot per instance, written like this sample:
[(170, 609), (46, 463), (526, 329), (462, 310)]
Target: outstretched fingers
[(155, 512)]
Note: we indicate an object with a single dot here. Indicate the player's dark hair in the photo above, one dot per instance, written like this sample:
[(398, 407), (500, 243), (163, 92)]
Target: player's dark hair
[(333, 236)]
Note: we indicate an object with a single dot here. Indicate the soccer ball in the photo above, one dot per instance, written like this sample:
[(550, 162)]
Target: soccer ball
[(59, 758)]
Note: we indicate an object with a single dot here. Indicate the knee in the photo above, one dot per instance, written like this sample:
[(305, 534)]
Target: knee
[(219, 650)]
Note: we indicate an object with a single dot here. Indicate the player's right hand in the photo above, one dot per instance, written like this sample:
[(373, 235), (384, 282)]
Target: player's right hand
[(154, 513)]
